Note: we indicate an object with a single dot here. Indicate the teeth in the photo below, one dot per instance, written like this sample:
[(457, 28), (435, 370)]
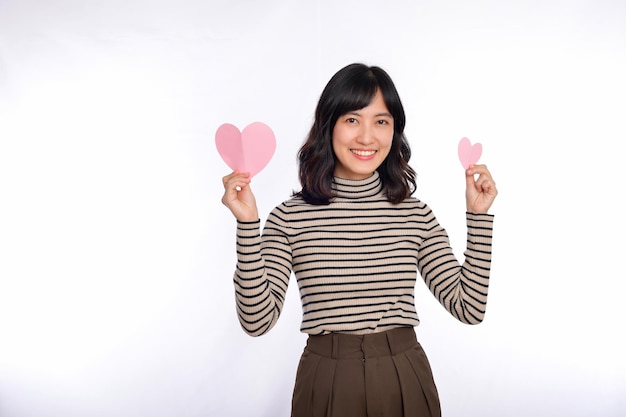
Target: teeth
[(363, 153)]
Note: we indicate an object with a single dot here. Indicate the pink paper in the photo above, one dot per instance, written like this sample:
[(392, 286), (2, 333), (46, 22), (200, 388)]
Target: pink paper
[(469, 154), (246, 151)]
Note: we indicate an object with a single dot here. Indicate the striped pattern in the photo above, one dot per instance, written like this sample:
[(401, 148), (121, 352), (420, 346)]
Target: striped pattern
[(356, 262)]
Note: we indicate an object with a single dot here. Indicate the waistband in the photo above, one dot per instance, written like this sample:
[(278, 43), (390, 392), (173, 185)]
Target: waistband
[(349, 346)]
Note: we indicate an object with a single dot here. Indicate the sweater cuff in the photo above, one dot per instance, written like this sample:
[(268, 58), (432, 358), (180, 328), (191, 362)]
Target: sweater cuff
[(248, 229), (479, 220), (479, 227), (470, 216)]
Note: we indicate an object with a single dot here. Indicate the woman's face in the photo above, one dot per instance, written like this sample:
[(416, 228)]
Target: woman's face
[(362, 140)]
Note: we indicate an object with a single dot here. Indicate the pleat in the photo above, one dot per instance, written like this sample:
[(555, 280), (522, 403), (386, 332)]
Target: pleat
[(323, 388), (348, 398), (302, 400), (419, 393), (387, 399), (382, 375), (313, 391)]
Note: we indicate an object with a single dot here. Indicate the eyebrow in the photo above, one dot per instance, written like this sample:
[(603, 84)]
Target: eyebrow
[(384, 114)]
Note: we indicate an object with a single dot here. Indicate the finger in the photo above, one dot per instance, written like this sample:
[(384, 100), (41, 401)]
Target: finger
[(485, 178), (233, 175), (234, 188), (470, 179), (236, 180), (490, 188), (228, 177), (478, 169), (232, 191), (487, 187)]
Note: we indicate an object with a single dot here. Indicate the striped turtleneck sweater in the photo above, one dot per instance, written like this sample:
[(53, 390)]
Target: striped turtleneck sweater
[(356, 262)]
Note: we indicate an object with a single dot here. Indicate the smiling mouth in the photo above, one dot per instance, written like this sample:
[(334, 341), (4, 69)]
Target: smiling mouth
[(362, 153)]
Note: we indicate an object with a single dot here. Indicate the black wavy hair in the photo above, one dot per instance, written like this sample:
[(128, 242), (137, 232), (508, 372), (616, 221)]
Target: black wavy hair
[(353, 88)]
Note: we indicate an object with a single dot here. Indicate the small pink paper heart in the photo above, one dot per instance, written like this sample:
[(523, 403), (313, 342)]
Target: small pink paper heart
[(469, 154), (248, 151)]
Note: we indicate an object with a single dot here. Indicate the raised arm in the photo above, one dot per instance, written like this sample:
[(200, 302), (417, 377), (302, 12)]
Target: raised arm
[(462, 288), (263, 263)]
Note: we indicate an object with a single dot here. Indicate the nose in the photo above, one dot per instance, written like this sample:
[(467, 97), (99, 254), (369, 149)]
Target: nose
[(366, 135)]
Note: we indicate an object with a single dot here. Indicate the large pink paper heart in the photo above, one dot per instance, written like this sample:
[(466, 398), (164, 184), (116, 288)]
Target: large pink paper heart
[(248, 151), (469, 154)]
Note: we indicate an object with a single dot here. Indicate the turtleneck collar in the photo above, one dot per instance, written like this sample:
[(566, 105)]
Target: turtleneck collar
[(367, 187)]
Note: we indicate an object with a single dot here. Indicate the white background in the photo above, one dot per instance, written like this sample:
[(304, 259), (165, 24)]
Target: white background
[(116, 255)]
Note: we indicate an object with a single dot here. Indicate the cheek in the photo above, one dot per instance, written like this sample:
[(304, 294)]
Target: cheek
[(340, 137), (389, 140), (388, 145), (335, 142)]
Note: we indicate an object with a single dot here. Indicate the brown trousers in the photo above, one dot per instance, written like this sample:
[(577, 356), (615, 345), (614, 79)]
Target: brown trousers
[(375, 375)]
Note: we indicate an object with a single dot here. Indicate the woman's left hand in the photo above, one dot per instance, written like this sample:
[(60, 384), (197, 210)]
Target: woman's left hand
[(481, 191)]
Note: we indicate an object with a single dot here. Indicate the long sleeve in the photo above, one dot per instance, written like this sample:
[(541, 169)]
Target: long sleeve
[(261, 277), (356, 262), (461, 289)]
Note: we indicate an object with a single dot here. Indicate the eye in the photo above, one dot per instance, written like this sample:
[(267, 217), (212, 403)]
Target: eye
[(383, 122), (351, 120)]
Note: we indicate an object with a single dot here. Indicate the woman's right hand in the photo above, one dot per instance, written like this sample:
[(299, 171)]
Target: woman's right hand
[(238, 196)]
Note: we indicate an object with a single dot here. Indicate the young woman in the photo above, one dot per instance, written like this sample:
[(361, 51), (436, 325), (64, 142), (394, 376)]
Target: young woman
[(355, 239)]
